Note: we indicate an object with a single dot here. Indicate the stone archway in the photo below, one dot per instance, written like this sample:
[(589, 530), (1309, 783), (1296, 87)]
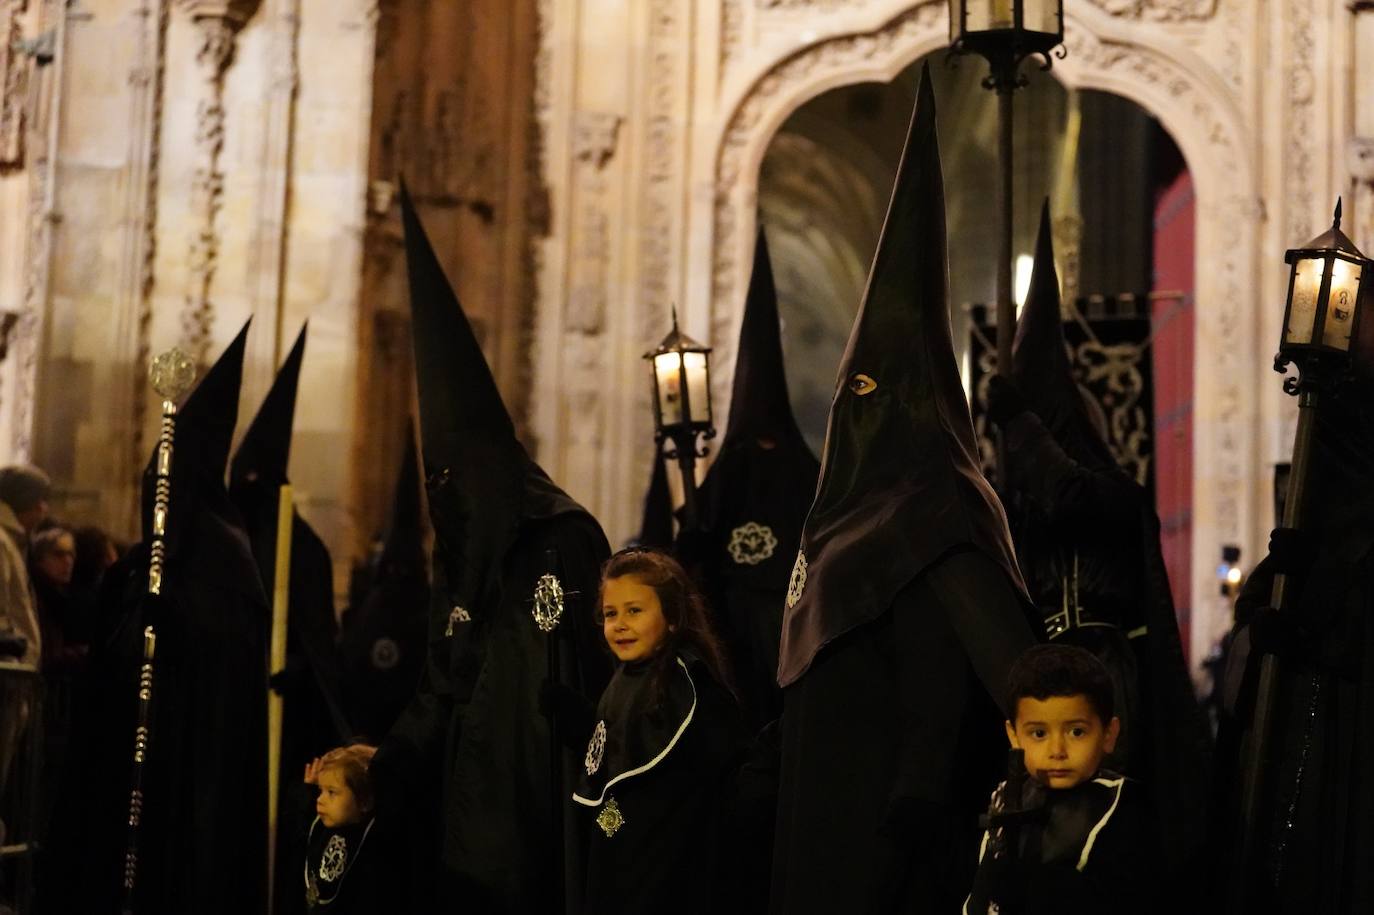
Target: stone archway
[(1195, 105)]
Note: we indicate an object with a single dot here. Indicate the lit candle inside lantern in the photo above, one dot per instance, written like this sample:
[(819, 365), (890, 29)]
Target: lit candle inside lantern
[(668, 367), (1302, 316), (1002, 15)]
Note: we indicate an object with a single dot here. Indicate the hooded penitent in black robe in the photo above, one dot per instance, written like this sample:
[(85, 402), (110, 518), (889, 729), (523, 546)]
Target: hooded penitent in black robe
[(754, 502), (904, 587), (310, 684), (1087, 539), (473, 738), (654, 790), (1316, 834), (382, 645), (202, 839)]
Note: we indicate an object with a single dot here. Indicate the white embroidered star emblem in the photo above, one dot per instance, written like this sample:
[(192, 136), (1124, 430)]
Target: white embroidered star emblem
[(333, 860), (798, 581), (751, 543), (596, 747), (457, 615)]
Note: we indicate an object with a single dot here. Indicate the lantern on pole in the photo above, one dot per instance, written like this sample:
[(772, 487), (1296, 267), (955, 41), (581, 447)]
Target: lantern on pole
[(680, 369), (1328, 288), (1006, 32)]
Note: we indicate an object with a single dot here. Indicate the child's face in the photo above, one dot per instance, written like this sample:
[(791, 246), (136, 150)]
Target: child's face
[(336, 805), (1063, 738), (632, 618)]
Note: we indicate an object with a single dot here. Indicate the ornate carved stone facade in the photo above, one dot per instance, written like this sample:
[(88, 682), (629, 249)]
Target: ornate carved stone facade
[(581, 173), (1193, 64)]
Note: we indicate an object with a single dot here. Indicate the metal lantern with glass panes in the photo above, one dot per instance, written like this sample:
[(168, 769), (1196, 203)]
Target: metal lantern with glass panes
[(681, 371), (1009, 30), (1327, 288), (1006, 32)]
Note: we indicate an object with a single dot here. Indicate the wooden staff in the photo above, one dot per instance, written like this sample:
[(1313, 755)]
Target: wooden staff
[(281, 605), (171, 374)]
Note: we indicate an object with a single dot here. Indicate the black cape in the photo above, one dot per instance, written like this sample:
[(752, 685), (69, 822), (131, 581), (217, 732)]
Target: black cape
[(654, 791), (382, 642), (474, 731), (1317, 835), (1088, 542), (310, 684), (905, 609), (755, 498), (203, 834)]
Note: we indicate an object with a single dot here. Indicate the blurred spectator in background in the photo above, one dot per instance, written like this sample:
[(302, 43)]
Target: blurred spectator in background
[(62, 620), (23, 504)]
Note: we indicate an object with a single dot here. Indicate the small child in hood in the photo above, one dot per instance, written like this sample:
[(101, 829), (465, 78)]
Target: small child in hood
[(343, 871)]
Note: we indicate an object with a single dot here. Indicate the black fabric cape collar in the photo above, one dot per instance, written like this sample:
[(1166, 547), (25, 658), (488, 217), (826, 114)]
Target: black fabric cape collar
[(637, 727), (900, 482)]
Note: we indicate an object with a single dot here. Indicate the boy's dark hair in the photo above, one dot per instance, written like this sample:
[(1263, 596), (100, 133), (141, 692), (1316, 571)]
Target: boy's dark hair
[(1060, 670)]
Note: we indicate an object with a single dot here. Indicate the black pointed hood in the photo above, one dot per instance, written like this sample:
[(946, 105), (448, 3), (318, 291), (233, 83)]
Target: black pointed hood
[(900, 482), (382, 642), (656, 523), (204, 435), (265, 450), (481, 482), (757, 491), (759, 405), (1041, 367), (405, 533)]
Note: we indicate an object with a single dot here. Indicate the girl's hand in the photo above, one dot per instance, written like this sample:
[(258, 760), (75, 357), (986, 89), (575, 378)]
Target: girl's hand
[(312, 771)]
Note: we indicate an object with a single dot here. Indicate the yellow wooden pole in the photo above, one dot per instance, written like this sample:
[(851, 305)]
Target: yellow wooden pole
[(281, 601)]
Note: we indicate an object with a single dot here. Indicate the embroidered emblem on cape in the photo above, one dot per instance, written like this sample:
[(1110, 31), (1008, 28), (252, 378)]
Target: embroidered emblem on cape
[(548, 603), (798, 582), (609, 819), (385, 653), (333, 860), (457, 615), (595, 748), (752, 543)]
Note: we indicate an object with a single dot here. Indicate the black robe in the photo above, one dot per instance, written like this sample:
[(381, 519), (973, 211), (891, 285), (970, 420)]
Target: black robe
[(1317, 831), (202, 845), (905, 608), (1094, 531), (1092, 853), (655, 792), (474, 727)]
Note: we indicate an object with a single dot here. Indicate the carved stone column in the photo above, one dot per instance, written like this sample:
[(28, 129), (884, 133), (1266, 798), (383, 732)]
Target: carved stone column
[(1360, 147), (217, 23)]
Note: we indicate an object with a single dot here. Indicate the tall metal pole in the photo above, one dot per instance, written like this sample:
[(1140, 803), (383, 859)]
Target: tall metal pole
[(1255, 749), (1006, 310)]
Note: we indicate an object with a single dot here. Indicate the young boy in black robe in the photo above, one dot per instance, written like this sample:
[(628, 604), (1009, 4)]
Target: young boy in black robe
[(1064, 834)]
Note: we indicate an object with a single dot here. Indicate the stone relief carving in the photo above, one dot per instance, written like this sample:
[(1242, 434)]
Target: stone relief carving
[(215, 51), (807, 4), (14, 82), (594, 137), (148, 78), (1160, 10), (594, 145), (658, 203), (1299, 83), (1158, 77)]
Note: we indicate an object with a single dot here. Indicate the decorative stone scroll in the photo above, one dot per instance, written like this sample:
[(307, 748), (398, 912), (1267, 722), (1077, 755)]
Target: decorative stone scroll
[(217, 23)]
